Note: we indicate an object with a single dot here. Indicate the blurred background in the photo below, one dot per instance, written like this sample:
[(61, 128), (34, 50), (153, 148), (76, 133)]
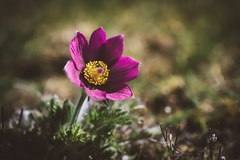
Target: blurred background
[(189, 53)]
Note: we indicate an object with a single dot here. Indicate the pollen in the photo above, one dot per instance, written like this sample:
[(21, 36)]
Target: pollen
[(96, 72)]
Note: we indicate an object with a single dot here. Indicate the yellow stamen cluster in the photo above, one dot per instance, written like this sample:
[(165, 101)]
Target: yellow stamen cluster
[(96, 72)]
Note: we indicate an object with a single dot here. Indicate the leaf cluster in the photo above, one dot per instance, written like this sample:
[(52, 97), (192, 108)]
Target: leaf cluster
[(51, 136)]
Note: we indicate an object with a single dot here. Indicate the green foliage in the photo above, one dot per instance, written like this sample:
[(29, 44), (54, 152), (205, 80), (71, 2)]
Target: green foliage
[(96, 134), (55, 138), (103, 118), (71, 134), (58, 114)]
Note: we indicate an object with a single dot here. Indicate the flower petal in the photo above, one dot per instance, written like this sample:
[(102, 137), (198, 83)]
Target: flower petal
[(124, 70), (73, 73), (114, 49), (97, 39), (111, 88), (122, 94), (95, 94), (77, 46)]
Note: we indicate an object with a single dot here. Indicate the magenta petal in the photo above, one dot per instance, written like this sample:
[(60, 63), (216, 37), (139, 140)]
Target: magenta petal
[(114, 49), (77, 46), (73, 73), (122, 94), (124, 70), (97, 39), (95, 94)]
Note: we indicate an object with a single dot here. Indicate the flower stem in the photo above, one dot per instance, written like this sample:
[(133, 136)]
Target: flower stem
[(78, 106), (83, 111)]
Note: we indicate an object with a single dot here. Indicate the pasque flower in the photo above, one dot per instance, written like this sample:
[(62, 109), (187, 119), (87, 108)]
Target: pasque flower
[(99, 66)]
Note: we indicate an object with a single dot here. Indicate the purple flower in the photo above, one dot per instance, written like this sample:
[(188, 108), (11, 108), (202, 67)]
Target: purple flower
[(99, 66)]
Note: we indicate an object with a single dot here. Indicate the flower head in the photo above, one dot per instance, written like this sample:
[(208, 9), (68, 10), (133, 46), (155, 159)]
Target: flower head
[(99, 66)]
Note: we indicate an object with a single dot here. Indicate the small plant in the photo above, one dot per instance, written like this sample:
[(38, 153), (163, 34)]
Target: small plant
[(52, 137), (175, 153)]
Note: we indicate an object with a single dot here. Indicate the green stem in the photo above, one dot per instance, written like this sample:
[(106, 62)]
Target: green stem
[(78, 106)]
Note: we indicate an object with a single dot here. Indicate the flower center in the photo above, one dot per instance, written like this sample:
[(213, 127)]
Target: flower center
[(96, 72)]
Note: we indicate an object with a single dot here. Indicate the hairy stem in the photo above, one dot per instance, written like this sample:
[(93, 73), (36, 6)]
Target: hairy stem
[(78, 107), (83, 111)]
